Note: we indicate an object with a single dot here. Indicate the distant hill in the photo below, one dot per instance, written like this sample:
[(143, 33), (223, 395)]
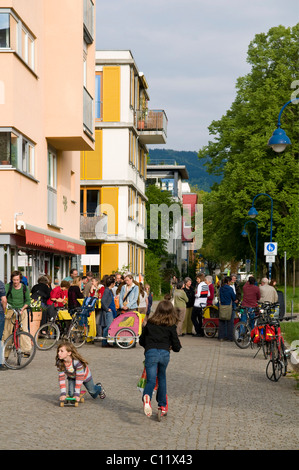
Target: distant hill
[(198, 175)]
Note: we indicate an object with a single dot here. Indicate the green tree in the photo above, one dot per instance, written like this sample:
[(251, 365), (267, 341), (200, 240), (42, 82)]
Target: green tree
[(240, 153)]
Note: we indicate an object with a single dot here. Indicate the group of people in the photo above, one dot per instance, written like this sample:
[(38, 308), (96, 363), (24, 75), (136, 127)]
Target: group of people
[(176, 315), (190, 301)]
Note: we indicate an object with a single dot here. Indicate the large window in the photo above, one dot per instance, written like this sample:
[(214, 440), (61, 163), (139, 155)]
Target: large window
[(15, 35), (17, 151)]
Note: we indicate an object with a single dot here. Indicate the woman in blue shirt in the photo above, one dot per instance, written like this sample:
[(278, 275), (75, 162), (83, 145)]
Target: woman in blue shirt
[(129, 294)]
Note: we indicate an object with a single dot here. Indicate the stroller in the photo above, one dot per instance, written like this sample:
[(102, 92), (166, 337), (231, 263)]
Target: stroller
[(125, 329)]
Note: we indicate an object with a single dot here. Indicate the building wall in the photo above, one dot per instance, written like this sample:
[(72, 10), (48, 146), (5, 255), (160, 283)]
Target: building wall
[(43, 104)]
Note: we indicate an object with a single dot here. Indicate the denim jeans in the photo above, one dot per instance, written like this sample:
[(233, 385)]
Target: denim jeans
[(156, 362), (250, 312), (109, 320), (93, 390)]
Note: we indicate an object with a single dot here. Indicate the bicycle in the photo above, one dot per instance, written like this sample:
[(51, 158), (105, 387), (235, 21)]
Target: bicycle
[(278, 363), (49, 334), (19, 348)]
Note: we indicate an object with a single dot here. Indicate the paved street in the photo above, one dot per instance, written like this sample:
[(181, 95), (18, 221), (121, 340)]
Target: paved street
[(219, 398)]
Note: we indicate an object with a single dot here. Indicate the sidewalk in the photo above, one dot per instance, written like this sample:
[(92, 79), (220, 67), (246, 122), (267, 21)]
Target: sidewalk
[(219, 398)]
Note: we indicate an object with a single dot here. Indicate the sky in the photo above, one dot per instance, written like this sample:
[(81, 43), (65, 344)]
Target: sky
[(191, 53)]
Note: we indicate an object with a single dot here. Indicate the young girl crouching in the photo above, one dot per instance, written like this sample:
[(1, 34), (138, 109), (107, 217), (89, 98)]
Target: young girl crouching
[(158, 337), (73, 372)]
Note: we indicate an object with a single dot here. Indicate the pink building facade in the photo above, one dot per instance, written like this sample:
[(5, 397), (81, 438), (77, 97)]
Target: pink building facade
[(47, 87)]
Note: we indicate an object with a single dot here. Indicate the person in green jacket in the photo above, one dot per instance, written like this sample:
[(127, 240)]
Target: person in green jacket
[(18, 297), (180, 302)]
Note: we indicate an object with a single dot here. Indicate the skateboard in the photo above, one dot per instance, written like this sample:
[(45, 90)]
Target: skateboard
[(71, 401)]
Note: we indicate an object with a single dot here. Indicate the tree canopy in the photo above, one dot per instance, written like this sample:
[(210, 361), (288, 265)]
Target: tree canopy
[(240, 152)]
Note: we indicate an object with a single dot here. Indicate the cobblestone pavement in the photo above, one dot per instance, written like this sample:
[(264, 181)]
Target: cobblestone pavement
[(219, 398)]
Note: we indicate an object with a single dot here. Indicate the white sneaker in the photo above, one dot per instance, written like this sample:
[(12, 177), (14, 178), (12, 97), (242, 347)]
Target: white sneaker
[(147, 408)]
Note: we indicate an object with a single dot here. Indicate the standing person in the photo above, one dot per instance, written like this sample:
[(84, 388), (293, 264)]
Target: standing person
[(129, 294), (200, 302), (173, 284), (88, 284), (143, 299), (209, 281), (18, 297), (74, 293), (74, 369), (187, 325), (268, 292), (149, 298), (180, 301), (251, 296), (280, 300), (226, 297), (3, 305), (41, 290), (157, 338), (237, 290), (108, 311)]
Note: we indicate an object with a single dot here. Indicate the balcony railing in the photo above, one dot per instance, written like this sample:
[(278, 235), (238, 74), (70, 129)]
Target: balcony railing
[(93, 227), (152, 120), (88, 111), (88, 21)]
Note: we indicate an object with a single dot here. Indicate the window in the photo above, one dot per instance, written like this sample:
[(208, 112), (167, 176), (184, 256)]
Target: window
[(17, 151), (52, 169), (99, 96), (90, 202), (52, 188), (16, 36), (4, 30)]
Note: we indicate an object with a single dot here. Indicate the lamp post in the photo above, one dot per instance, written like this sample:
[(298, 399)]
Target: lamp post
[(279, 140), (253, 213), (245, 234)]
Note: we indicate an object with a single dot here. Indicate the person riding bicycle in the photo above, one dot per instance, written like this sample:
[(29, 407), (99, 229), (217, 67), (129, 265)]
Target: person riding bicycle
[(18, 297)]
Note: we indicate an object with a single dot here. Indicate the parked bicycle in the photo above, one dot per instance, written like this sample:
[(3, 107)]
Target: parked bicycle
[(278, 363), (50, 333), (19, 348)]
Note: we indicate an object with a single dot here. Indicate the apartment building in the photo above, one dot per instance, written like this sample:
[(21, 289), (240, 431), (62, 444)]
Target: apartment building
[(113, 176), (47, 88), (169, 176)]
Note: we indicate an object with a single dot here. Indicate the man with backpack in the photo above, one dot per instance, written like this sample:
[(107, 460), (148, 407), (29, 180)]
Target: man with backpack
[(18, 297)]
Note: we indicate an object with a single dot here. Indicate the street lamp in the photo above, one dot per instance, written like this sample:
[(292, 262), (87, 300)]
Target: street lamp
[(245, 234), (279, 139), (253, 213)]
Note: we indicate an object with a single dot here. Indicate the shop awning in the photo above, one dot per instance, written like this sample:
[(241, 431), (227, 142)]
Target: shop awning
[(46, 239)]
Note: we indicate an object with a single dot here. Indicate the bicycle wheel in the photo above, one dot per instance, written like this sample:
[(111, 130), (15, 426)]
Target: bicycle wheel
[(274, 366), (241, 335), (78, 334), (210, 329), (19, 350), (283, 357), (47, 336), (125, 338)]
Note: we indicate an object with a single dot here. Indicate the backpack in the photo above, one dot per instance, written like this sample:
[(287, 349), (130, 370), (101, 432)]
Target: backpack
[(10, 290)]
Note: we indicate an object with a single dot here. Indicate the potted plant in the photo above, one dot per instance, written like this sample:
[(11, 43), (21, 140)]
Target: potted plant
[(36, 309)]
